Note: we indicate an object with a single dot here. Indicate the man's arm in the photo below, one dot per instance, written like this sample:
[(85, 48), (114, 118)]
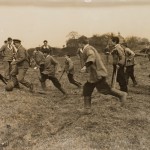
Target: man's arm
[(22, 56), (90, 58), (130, 53), (70, 64), (3, 79), (121, 55), (89, 61), (56, 64), (2, 48)]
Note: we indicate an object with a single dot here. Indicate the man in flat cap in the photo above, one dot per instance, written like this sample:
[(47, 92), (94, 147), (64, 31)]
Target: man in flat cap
[(51, 68), (46, 47), (93, 64), (69, 69), (39, 58), (119, 59), (21, 66), (129, 64), (8, 52)]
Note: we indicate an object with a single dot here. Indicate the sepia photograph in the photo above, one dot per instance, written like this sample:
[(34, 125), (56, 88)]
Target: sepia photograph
[(74, 75)]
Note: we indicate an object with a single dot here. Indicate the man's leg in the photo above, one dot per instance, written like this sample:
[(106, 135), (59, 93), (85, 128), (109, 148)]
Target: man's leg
[(57, 84), (127, 74), (71, 80), (132, 75), (103, 87), (121, 79), (42, 80), (13, 74), (6, 69), (21, 76), (87, 92)]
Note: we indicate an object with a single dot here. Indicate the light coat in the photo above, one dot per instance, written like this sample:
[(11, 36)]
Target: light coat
[(7, 52), (97, 70)]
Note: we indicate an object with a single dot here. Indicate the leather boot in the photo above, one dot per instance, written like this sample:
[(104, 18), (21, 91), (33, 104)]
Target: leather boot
[(43, 85), (120, 94), (87, 102), (134, 83), (87, 106), (64, 92), (31, 89)]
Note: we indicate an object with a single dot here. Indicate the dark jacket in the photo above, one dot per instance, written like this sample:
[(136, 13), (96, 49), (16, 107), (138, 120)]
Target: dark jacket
[(22, 57)]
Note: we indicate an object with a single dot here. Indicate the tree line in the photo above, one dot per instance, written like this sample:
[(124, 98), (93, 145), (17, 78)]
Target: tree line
[(99, 41)]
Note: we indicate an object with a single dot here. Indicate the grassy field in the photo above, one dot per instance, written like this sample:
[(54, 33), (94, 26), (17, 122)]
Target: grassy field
[(49, 122)]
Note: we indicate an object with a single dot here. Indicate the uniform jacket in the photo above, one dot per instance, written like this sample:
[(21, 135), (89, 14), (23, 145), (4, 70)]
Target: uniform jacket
[(22, 58), (50, 66), (7, 52), (39, 57), (97, 70), (129, 57), (118, 54), (69, 66)]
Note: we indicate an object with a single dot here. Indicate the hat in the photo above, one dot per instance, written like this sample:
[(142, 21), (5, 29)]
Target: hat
[(45, 41), (83, 40), (16, 41), (5, 41), (9, 39)]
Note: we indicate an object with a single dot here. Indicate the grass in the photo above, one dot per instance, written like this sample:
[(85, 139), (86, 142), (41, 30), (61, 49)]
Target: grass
[(48, 122)]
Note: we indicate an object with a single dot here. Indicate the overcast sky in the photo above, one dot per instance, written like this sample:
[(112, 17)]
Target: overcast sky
[(35, 21)]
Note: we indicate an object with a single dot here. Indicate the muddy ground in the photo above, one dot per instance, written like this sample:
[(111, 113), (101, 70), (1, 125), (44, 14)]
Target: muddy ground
[(49, 122)]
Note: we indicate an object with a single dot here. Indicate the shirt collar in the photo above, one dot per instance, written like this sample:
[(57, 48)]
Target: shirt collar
[(47, 56), (9, 46), (85, 46), (19, 46), (117, 45)]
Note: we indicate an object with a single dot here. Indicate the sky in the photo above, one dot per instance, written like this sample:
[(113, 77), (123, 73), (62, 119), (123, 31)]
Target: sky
[(35, 21)]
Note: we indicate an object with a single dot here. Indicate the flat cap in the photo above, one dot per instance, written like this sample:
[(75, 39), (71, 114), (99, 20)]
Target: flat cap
[(9, 39), (16, 41), (5, 41)]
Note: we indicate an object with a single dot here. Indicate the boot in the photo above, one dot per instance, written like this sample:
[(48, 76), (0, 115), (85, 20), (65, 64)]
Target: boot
[(64, 92), (87, 102), (134, 83), (31, 89), (17, 86), (87, 106), (43, 85), (120, 94)]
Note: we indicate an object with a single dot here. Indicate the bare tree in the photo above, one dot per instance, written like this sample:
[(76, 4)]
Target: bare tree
[(73, 35)]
